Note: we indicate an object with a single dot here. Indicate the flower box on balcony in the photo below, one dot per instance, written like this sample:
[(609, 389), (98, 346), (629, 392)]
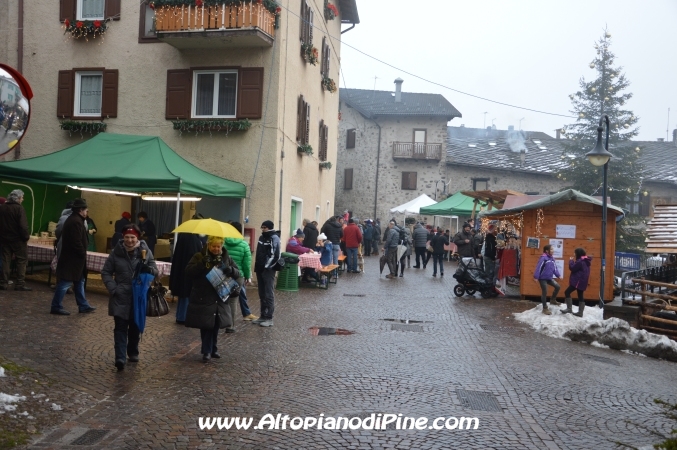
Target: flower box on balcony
[(304, 149), (74, 126), (325, 165)]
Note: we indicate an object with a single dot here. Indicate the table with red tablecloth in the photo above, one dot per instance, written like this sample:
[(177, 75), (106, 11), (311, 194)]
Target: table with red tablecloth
[(310, 260), (95, 261)]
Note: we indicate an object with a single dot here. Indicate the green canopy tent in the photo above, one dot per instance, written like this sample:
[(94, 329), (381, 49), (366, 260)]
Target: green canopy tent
[(456, 205), (125, 163), (121, 162)]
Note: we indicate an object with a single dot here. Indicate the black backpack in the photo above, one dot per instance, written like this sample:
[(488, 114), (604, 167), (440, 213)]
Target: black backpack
[(403, 236)]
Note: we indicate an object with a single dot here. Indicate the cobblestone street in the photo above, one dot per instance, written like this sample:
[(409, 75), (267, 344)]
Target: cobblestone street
[(540, 392)]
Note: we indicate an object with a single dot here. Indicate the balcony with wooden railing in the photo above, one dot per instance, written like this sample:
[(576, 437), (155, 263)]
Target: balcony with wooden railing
[(248, 24), (417, 150)]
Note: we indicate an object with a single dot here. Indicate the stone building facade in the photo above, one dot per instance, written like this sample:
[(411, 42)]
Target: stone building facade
[(388, 146)]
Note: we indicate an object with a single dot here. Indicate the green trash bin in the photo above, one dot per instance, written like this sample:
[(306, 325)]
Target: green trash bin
[(288, 278)]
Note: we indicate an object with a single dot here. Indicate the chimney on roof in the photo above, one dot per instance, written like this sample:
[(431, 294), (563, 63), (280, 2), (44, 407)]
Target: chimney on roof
[(674, 135), (558, 133), (398, 90), (523, 156), (661, 139), (511, 128)]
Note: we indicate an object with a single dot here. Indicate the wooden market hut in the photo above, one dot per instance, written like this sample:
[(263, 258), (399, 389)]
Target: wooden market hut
[(576, 219)]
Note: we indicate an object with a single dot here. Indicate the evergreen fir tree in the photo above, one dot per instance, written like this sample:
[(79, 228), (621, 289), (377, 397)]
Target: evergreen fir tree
[(606, 95)]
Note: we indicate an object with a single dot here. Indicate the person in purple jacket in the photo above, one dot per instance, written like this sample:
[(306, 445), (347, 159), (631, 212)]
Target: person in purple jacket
[(546, 271), (578, 281)]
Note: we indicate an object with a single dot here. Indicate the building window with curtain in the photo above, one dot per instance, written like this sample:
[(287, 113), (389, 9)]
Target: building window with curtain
[(91, 9), (88, 94), (147, 24), (214, 94)]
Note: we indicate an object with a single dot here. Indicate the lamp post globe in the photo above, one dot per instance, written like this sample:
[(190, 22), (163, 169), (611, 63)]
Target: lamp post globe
[(599, 156)]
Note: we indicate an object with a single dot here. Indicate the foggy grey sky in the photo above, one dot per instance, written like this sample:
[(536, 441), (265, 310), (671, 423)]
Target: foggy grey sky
[(530, 53)]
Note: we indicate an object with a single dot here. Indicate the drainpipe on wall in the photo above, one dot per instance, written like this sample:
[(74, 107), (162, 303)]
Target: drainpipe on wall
[(20, 58), (378, 160)]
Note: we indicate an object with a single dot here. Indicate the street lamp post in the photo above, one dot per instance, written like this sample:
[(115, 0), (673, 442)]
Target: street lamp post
[(599, 156)]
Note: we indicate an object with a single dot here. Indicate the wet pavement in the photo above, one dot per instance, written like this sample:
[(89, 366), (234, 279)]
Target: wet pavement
[(415, 350)]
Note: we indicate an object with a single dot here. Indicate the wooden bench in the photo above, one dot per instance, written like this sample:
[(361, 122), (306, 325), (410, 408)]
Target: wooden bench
[(341, 262), (331, 272)]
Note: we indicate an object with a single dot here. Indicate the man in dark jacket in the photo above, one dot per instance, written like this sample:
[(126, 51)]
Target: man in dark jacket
[(367, 236), (267, 256), (376, 238), (14, 237), (148, 231), (420, 237), (438, 242), (334, 232), (464, 242), (71, 265), (391, 241), (489, 255), (311, 233)]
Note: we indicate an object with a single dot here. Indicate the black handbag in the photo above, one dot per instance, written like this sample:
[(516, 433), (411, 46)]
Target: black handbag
[(157, 305)]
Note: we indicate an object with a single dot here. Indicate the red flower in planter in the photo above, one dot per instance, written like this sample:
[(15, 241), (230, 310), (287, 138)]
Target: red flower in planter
[(97, 24), (333, 9), (67, 23), (78, 24), (198, 2)]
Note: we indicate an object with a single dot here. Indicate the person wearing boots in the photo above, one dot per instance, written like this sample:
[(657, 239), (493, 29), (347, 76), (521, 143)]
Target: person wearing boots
[(578, 281), (545, 273), (438, 242)]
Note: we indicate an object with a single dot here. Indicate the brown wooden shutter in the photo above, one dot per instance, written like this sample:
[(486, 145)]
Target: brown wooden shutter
[(64, 102), (350, 138), (348, 179), (113, 9), (67, 10), (178, 94), (328, 60), (409, 180), (307, 138), (109, 96), (310, 25), (302, 22), (325, 143), (322, 155), (250, 93), (300, 110), (323, 62)]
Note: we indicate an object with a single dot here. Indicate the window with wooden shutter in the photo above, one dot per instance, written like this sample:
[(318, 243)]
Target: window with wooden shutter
[(324, 141), (178, 94), (326, 58), (348, 179), (350, 138), (109, 94), (146, 26), (87, 93), (409, 180), (311, 14), (250, 93), (89, 10)]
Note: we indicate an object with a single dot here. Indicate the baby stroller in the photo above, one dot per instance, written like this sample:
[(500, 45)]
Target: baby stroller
[(471, 278)]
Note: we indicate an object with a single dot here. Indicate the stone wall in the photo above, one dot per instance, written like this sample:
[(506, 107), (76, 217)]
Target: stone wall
[(364, 157)]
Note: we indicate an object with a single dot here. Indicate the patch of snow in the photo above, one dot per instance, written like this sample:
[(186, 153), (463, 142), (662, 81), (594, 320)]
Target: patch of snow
[(56, 407), (614, 333), (2, 371), (39, 395), (629, 352), (6, 401), (597, 344)]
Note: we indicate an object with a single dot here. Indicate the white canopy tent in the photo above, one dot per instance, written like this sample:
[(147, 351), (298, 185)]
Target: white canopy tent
[(414, 206)]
